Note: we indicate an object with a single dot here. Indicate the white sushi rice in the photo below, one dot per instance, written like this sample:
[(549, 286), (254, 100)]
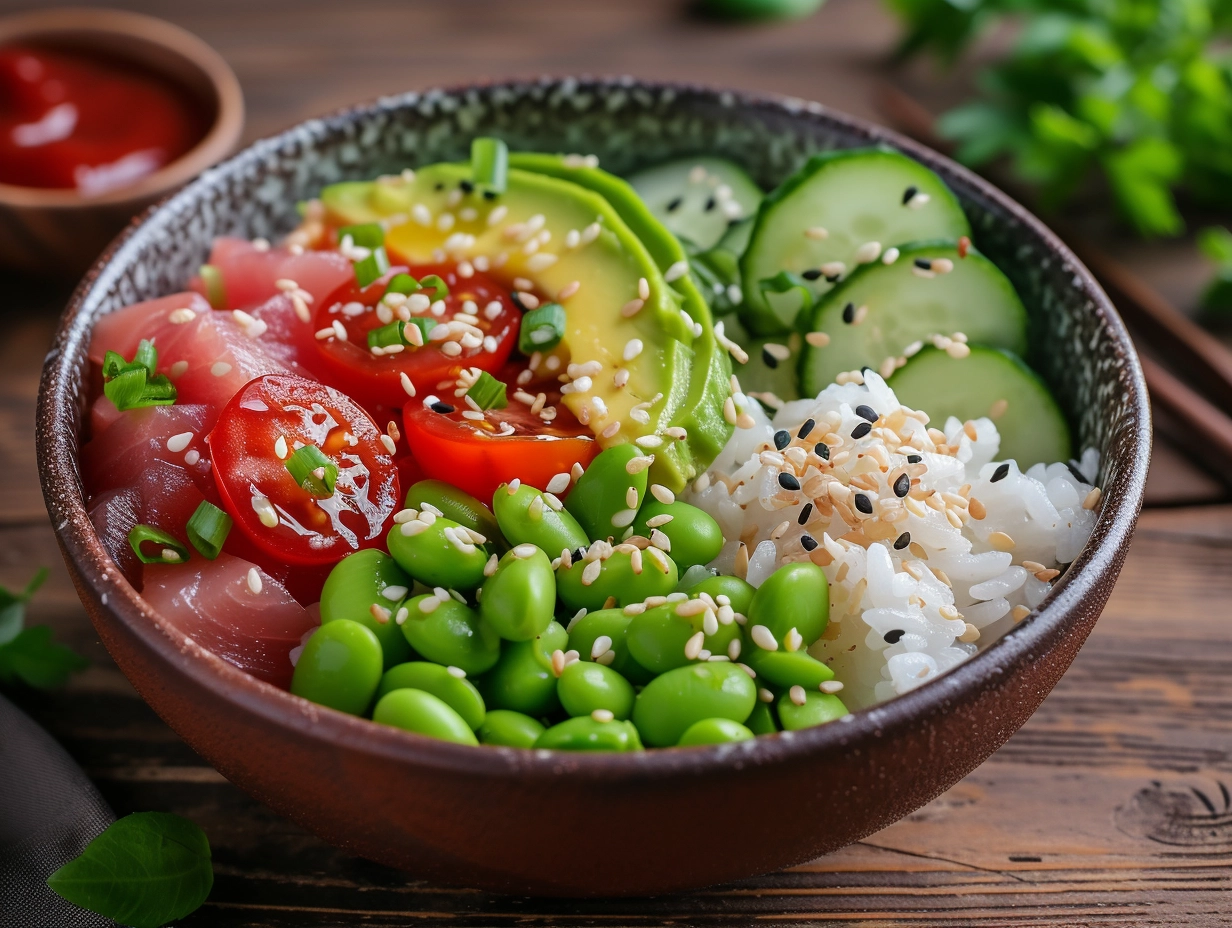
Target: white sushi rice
[(951, 590)]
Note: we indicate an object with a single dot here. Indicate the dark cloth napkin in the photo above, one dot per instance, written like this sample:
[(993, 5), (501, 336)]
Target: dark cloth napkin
[(49, 812)]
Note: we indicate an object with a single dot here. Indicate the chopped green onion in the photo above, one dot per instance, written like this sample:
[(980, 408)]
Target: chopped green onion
[(424, 324), (170, 550), (488, 392), (126, 388), (113, 363), (490, 163), (403, 283), (542, 329), (433, 282), (159, 391), (367, 235), (386, 335), (371, 267), (215, 292), (147, 355), (312, 471), (208, 529)]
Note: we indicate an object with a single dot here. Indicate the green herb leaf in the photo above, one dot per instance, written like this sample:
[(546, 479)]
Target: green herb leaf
[(146, 870), (13, 607), (34, 659)]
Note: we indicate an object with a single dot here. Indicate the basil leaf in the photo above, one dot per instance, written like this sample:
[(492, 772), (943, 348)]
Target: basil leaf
[(34, 659), (146, 870)]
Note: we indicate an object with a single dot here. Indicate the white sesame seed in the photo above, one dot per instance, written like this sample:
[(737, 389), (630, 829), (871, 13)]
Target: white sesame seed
[(764, 694), (568, 290), (498, 214), (407, 386), (429, 604), (662, 494), (389, 444), (192, 457), (676, 271), (559, 483), (611, 430), (456, 672), (764, 638), (632, 308), (817, 339), (602, 645), (177, 443), (254, 581), (817, 233), (602, 715), (265, 511), (590, 233), (181, 316), (633, 347), (830, 686), (220, 369), (733, 648), (793, 641), (624, 518), (693, 646), (796, 694), (868, 252)]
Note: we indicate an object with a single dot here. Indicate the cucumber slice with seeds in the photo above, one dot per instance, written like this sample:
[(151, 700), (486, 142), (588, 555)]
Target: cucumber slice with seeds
[(877, 314), (698, 198), (993, 383), (772, 365), (818, 220)]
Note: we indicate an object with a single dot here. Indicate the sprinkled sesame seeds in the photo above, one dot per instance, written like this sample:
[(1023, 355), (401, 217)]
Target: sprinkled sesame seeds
[(1000, 473), (866, 412), (255, 584), (849, 313), (902, 486), (868, 252), (804, 430), (265, 511), (442, 408), (890, 256), (893, 635), (789, 481), (864, 504), (220, 368), (808, 542), (861, 430), (763, 638), (782, 439), (632, 308), (817, 339)]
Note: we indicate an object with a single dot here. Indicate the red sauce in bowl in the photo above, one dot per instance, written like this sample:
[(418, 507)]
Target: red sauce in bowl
[(75, 120)]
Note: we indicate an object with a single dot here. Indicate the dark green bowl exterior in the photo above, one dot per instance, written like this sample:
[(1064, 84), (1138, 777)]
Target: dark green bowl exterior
[(586, 825)]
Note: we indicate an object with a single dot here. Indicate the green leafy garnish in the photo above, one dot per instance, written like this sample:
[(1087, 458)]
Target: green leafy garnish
[(208, 529), (312, 471), (542, 329), (371, 237), (145, 870), (488, 392), (168, 548), (490, 164), (402, 283), (133, 384), (1216, 243), (433, 282), (29, 654)]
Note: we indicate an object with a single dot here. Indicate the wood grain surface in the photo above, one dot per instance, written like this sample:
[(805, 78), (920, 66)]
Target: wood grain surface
[(1113, 806)]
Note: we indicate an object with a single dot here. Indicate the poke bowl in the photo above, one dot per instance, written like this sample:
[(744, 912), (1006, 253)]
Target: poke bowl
[(699, 589)]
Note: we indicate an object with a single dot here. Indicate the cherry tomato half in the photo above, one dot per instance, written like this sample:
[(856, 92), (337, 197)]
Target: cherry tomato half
[(250, 467), (488, 335)]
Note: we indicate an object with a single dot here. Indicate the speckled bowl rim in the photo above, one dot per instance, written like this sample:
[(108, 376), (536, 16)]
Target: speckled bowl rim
[(1034, 636)]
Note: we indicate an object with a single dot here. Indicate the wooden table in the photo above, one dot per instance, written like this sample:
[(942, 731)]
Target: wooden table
[(1110, 807)]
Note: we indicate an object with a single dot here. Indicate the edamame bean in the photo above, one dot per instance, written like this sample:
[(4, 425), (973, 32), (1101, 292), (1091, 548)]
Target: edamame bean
[(739, 592), (674, 701), (818, 709), (694, 537), (424, 714), (444, 683), (509, 729), (794, 596), (519, 600), (340, 667), (459, 506), (606, 498), (525, 517), (438, 552), (611, 624), (661, 638), (369, 587), (714, 731), (522, 679), (628, 575), (585, 734), (786, 668), (447, 632), (762, 720), (585, 686)]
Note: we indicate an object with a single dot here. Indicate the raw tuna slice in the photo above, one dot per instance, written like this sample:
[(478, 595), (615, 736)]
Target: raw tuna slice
[(122, 330), (287, 337), (114, 514), (121, 453), (214, 603), (250, 274)]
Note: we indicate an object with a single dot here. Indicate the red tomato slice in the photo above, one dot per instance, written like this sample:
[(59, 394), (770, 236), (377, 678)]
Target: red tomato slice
[(373, 379), (251, 475), (478, 455)]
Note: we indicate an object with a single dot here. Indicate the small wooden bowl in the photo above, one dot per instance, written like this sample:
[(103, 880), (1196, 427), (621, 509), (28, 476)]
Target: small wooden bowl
[(60, 231)]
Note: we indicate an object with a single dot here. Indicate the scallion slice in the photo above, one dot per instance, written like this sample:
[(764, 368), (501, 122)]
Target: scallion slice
[(542, 329), (170, 550), (113, 363), (402, 283), (133, 384), (208, 529), (215, 292), (490, 163), (312, 471), (386, 335), (433, 282), (371, 267), (367, 235), (147, 355), (488, 392), (424, 324)]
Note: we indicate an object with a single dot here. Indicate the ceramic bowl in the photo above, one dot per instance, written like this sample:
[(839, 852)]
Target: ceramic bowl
[(61, 231), (570, 824)]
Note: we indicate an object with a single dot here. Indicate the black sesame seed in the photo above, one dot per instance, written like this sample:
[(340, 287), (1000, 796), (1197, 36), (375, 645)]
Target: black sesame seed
[(1072, 466), (675, 204), (805, 514), (443, 408), (490, 194), (902, 541), (804, 430), (579, 554), (923, 264), (864, 504), (782, 438), (789, 481), (768, 359), (808, 542), (914, 459), (822, 450), (861, 430), (833, 278), (1000, 473), (909, 193), (466, 186), (710, 204), (866, 369), (516, 299), (811, 274), (902, 486), (892, 636), (440, 186), (849, 313), (866, 412)]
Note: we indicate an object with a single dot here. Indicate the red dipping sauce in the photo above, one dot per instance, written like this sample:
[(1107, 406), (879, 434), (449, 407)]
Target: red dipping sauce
[(74, 120)]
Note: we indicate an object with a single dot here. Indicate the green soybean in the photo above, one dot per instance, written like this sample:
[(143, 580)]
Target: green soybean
[(694, 536), (600, 500), (612, 624), (617, 578), (457, 692), (585, 686), (522, 679), (714, 731), (424, 714), (794, 596), (509, 729), (585, 734), (450, 633), (786, 668), (435, 554), (459, 506), (525, 521), (657, 638), (818, 709), (762, 720), (674, 701), (339, 667), (519, 600), (361, 581), (739, 592)]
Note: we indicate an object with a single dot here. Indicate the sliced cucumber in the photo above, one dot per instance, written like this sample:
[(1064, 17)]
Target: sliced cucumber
[(824, 214), (736, 238), (697, 198), (881, 309), (993, 383), (772, 365)]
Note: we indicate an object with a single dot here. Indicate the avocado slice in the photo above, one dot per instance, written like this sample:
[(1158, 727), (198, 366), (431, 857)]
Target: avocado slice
[(709, 386), (607, 267)]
